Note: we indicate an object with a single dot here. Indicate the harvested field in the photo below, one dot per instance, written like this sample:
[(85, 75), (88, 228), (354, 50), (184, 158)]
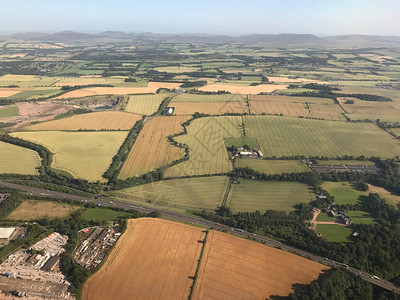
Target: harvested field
[(272, 166), (390, 197), (35, 210), (295, 106), (205, 139), (235, 268), (292, 80), (185, 97), (212, 108), (107, 120), (151, 88), (205, 192), (18, 160), (249, 196), (145, 104), (85, 155), (7, 92), (151, 149), (237, 89), (286, 136), (153, 259)]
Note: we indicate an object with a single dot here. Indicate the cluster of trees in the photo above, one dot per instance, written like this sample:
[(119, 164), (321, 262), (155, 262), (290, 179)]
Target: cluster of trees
[(321, 87), (334, 284), (329, 94), (77, 87), (194, 84), (308, 178), (77, 111)]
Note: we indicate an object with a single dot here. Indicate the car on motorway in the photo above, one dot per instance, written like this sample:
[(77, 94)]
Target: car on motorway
[(375, 277)]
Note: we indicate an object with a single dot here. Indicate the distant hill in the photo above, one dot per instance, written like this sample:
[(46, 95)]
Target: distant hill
[(276, 40)]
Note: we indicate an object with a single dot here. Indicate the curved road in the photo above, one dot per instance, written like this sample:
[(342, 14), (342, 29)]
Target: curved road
[(108, 202)]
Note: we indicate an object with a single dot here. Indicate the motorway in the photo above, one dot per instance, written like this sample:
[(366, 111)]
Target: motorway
[(108, 202)]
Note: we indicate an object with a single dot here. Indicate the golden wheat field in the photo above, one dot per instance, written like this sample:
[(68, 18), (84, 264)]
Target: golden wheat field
[(235, 268), (151, 149), (153, 259)]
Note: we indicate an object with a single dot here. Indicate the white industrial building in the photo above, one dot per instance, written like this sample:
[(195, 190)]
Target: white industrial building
[(5, 233)]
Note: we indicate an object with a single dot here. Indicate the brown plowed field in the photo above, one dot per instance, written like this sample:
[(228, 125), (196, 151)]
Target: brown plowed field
[(151, 149), (212, 108), (151, 88), (152, 260), (109, 120), (235, 268)]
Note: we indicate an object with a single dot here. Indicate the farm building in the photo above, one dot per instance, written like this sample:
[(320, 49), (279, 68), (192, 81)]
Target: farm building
[(169, 111), (5, 233)]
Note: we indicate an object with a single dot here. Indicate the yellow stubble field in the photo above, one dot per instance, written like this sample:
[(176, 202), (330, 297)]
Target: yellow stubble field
[(153, 259), (235, 268), (151, 149)]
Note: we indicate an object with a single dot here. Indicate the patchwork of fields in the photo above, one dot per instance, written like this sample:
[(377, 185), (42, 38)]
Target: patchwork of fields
[(241, 89), (255, 271), (151, 88), (107, 120), (151, 149), (285, 136), (311, 107), (145, 104), (204, 192), (212, 108), (249, 196), (85, 155), (205, 138), (185, 97), (163, 253), (18, 160)]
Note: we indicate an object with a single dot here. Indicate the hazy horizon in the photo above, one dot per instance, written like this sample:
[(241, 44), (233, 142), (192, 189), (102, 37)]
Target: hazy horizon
[(234, 17)]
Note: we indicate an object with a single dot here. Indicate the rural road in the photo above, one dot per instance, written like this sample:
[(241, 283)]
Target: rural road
[(108, 202)]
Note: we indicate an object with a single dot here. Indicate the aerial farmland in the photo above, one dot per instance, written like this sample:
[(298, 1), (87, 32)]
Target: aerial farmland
[(185, 166)]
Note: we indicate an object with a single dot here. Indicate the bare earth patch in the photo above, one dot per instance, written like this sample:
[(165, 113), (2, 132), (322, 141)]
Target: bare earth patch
[(33, 210)]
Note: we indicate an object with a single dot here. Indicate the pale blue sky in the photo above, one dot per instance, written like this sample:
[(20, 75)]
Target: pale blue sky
[(320, 17)]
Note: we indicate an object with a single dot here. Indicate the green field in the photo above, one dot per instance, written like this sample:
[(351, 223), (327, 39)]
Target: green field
[(241, 141), (249, 196), (185, 97), (205, 138), (205, 192), (323, 217), (18, 160), (346, 162), (360, 217), (9, 111), (34, 94), (102, 214), (343, 192), (334, 233), (145, 104), (287, 136), (268, 166), (85, 155)]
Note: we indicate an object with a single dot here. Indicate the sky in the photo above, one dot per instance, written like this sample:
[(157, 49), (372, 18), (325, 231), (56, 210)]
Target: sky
[(233, 17)]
